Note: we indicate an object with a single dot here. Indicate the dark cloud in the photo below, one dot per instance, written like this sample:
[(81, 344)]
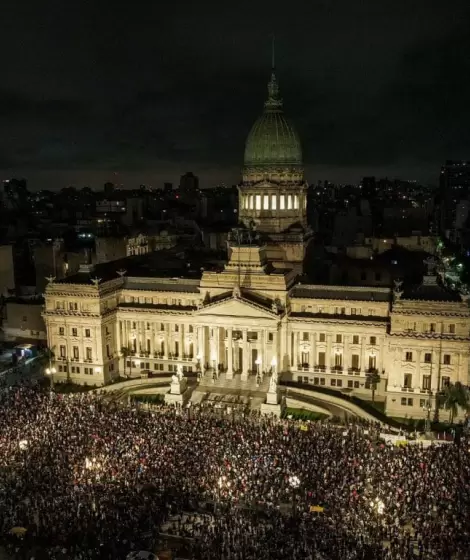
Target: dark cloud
[(150, 92)]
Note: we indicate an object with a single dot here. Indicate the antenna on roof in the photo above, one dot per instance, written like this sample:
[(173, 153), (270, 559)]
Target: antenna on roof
[(273, 53)]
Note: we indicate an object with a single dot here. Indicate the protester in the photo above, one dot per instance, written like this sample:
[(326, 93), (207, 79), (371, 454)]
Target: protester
[(89, 479)]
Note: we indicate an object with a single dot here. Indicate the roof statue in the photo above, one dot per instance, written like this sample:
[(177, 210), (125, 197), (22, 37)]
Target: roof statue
[(121, 272)]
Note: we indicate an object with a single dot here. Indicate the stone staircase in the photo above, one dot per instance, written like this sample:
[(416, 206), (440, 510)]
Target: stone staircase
[(224, 391)]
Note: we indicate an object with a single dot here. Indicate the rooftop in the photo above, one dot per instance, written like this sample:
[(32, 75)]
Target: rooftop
[(341, 292), (166, 263)]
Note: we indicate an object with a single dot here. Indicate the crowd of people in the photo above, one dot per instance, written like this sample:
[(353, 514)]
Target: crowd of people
[(91, 479)]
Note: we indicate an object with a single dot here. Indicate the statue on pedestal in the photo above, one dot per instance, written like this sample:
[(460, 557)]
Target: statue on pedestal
[(174, 379), (179, 372), (273, 383)]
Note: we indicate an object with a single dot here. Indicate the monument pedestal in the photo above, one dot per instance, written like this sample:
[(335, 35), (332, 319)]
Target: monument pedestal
[(179, 392), (272, 404), (178, 399)]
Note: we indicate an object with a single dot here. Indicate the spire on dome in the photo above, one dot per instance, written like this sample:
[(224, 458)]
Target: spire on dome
[(274, 101)]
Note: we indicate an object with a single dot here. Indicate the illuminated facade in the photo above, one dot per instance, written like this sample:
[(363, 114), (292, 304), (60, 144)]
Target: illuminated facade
[(251, 315)]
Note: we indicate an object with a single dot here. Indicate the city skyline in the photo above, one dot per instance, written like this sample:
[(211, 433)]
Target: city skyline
[(371, 91)]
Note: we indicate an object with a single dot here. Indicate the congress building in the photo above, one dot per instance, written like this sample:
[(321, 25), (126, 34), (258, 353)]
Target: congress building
[(251, 315)]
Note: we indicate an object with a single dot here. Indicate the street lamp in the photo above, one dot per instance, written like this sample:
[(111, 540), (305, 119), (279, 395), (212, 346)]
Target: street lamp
[(258, 364), (294, 483), (137, 363), (50, 372), (97, 369), (427, 408), (274, 364)]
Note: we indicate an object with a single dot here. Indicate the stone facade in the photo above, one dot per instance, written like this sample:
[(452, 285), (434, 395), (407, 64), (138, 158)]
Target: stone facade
[(250, 318)]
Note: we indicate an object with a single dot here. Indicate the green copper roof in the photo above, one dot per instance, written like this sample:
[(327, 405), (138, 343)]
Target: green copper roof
[(273, 140)]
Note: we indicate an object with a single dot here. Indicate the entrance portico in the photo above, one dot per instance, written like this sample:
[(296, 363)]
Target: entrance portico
[(238, 336)]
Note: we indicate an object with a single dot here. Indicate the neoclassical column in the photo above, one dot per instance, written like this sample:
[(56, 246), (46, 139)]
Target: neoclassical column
[(118, 338), (245, 355), (153, 329), (229, 354), (346, 356), (312, 351), (202, 347), (363, 364), (329, 354), (295, 357), (181, 342), (166, 340)]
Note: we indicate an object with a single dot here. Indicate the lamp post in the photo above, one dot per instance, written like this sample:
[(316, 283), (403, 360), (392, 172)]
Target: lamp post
[(137, 364), (50, 371), (294, 483), (427, 408), (274, 364)]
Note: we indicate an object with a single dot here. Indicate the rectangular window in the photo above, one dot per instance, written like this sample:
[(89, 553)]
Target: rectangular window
[(410, 402), (273, 202), (426, 382), (403, 401), (75, 352), (355, 361), (350, 384), (343, 311), (305, 336), (371, 311), (409, 356), (432, 327), (445, 381), (339, 383), (322, 337), (258, 202), (74, 332), (190, 329), (446, 360), (89, 355), (451, 329), (177, 328), (270, 337), (338, 360), (266, 202), (333, 382), (62, 351), (372, 362), (353, 311), (339, 338), (407, 380), (321, 359), (87, 333), (304, 359), (373, 340), (61, 331), (428, 357), (355, 339)]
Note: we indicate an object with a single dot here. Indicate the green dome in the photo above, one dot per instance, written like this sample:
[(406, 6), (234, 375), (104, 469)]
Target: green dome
[(273, 141)]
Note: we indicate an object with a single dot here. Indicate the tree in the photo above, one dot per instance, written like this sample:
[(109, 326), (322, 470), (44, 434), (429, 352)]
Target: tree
[(46, 357), (125, 353), (455, 396), (373, 379)]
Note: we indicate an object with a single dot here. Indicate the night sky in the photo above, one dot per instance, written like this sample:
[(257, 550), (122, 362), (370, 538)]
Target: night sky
[(91, 91)]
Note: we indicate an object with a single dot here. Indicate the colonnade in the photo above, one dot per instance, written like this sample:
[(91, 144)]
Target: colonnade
[(241, 350)]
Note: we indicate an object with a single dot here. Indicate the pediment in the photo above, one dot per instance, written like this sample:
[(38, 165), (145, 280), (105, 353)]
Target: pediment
[(237, 307)]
